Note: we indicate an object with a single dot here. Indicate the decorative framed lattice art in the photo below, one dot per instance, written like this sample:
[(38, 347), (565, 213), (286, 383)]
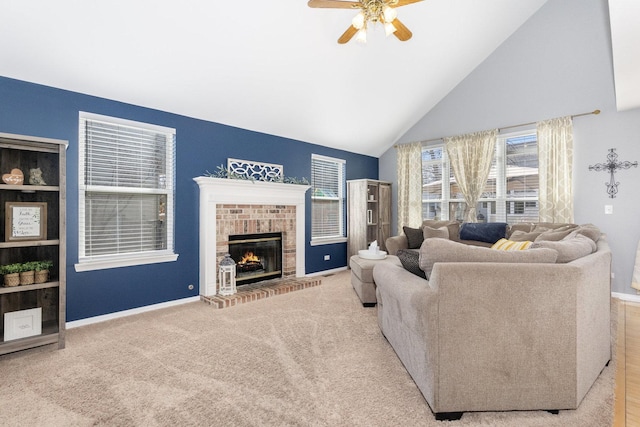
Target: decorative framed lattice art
[(255, 171)]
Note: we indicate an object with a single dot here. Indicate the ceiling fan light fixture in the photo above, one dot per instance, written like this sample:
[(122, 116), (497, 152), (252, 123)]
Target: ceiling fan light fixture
[(389, 28), (358, 21), (389, 14), (361, 35)]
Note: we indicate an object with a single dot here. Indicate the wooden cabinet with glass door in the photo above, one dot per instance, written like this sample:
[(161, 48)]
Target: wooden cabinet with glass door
[(32, 242)]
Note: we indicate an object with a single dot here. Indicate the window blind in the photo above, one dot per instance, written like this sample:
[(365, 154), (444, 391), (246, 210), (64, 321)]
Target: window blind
[(126, 188), (328, 186)]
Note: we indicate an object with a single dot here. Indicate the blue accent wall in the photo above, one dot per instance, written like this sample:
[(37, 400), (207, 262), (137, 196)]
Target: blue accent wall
[(36, 110)]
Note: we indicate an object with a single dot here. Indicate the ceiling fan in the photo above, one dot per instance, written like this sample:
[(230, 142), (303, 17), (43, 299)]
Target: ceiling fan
[(382, 11)]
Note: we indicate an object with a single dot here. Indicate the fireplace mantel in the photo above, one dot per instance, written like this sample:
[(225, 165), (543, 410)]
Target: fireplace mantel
[(214, 191)]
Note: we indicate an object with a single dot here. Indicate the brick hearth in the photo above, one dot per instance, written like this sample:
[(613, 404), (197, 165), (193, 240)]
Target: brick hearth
[(261, 290)]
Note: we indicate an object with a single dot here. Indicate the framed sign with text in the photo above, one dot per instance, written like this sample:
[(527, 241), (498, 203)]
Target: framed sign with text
[(25, 221)]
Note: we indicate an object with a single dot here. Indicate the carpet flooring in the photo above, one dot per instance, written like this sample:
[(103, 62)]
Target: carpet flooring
[(314, 357)]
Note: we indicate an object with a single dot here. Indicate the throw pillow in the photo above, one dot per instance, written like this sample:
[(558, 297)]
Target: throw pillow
[(414, 237), (430, 232), (569, 249), (453, 226), (409, 260), (441, 250), (489, 232), (511, 245)]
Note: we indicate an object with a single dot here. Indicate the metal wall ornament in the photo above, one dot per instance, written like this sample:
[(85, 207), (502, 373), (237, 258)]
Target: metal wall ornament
[(611, 166)]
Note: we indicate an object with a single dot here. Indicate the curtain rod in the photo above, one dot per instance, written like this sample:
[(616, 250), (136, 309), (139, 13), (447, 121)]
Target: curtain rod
[(596, 112)]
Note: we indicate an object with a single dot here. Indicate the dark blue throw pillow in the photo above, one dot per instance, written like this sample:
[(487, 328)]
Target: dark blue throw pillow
[(489, 232)]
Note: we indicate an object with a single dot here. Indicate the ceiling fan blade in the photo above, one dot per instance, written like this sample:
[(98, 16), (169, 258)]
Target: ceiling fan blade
[(347, 35), (334, 4), (402, 32), (398, 3)]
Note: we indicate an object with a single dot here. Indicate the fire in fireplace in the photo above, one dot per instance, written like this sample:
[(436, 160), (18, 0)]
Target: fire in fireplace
[(257, 256)]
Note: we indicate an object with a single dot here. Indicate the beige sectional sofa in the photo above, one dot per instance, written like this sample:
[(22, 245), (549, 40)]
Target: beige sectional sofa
[(500, 333)]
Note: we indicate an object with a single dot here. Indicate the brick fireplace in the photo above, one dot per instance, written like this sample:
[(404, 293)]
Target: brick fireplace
[(231, 207)]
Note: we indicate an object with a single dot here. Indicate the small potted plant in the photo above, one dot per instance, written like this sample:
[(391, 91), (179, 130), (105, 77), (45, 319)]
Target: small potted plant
[(27, 273), (11, 273), (42, 271)]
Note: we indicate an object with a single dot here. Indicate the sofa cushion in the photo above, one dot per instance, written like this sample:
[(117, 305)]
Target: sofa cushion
[(549, 234), (489, 232), (430, 232), (589, 230), (522, 236), (410, 261), (441, 250), (569, 249), (511, 245), (524, 227), (414, 237)]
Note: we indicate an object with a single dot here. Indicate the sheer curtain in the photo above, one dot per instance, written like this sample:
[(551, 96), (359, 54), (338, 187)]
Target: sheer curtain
[(555, 164), (409, 185), (470, 157)]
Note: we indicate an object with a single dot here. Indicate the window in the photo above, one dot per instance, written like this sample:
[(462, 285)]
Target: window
[(510, 194), (327, 199), (126, 193)]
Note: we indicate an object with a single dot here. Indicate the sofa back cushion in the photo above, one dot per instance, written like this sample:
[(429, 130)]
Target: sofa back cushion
[(569, 249), (441, 250)]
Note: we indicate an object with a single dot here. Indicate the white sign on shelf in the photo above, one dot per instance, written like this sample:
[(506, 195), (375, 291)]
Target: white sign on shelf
[(22, 324)]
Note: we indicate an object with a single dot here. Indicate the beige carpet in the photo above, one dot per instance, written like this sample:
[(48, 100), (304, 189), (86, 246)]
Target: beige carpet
[(314, 357)]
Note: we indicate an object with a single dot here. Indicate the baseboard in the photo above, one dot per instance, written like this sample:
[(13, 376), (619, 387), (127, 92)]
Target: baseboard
[(125, 313), (327, 272), (626, 297)]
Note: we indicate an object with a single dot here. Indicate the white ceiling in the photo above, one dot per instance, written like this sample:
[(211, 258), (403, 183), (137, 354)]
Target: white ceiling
[(625, 40), (268, 66)]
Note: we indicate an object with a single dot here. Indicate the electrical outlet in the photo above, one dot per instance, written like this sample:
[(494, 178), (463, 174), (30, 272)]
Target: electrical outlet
[(608, 209), (327, 257)]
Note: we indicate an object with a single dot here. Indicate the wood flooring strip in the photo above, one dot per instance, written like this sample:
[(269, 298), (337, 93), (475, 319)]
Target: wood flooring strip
[(619, 410), (632, 364)]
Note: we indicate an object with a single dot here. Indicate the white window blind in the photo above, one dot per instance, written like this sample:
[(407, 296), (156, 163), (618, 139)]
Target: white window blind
[(328, 197), (126, 189)]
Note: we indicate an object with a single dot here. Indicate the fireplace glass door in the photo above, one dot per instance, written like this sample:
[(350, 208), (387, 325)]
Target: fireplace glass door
[(257, 256)]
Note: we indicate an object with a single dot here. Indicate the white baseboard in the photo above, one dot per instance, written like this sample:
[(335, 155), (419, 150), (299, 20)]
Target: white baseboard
[(326, 272), (125, 313), (626, 297)]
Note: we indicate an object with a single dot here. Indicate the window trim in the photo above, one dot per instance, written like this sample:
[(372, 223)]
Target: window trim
[(101, 262), (318, 241)]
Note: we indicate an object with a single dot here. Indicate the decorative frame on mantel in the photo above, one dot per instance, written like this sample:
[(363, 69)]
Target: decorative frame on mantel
[(255, 171), (214, 191)]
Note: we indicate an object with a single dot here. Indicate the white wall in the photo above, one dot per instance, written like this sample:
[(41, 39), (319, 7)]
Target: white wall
[(558, 63)]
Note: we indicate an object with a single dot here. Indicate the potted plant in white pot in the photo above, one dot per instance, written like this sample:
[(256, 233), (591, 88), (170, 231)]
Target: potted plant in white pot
[(11, 273), (42, 271)]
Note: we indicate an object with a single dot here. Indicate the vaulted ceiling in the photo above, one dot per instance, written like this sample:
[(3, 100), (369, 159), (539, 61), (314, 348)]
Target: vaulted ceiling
[(267, 66)]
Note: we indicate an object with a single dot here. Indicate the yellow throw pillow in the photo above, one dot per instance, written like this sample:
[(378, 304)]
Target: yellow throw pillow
[(510, 245)]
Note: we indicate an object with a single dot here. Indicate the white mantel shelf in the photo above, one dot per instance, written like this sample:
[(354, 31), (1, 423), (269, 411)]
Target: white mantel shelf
[(214, 191)]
